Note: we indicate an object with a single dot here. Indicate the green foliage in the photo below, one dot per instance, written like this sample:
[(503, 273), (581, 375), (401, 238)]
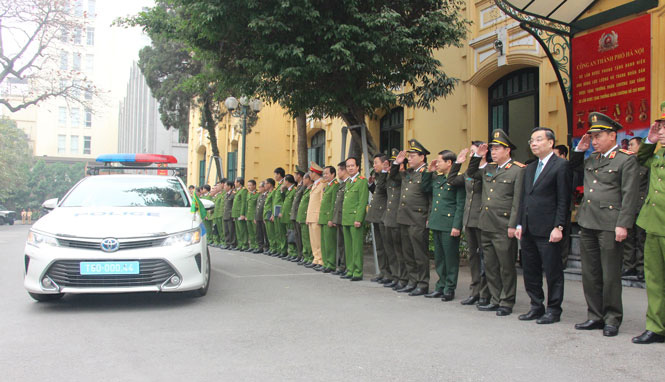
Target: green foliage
[(15, 162), (338, 58), (51, 180)]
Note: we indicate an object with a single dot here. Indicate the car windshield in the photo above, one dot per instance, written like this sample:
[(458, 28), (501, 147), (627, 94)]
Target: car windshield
[(127, 191)]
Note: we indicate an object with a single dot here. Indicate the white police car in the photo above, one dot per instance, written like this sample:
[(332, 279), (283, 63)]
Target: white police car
[(117, 234)]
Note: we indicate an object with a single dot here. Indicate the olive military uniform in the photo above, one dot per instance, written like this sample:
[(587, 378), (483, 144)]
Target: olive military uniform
[(354, 209), (278, 224), (611, 196), (633, 246), (261, 234), (297, 229), (218, 218), (285, 220), (229, 226), (240, 209), (501, 193), (207, 222), (301, 219), (393, 240), (270, 225), (652, 220), (375, 214), (252, 198), (446, 214), (328, 234), (337, 220)]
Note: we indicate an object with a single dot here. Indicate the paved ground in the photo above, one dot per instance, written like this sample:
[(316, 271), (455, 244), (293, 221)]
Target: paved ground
[(266, 319)]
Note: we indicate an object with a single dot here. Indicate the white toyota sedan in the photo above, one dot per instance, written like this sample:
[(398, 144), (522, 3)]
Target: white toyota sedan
[(118, 234)]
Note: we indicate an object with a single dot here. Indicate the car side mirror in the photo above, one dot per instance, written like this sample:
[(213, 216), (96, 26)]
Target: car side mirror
[(50, 204), (208, 204)]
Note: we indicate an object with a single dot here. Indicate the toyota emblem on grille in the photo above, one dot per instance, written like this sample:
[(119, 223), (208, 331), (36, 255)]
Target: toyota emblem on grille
[(109, 245)]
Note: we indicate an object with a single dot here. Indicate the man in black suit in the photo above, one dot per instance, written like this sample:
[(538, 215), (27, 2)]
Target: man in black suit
[(543, 214)]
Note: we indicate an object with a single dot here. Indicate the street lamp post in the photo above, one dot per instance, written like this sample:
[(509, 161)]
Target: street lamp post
[(232, 104)]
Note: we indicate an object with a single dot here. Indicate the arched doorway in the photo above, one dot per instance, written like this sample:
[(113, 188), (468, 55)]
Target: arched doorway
[(317, 148), (513, 107), (392, 131)]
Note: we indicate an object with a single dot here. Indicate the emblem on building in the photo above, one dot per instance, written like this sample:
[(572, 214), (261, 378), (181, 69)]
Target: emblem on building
[(608, 41)]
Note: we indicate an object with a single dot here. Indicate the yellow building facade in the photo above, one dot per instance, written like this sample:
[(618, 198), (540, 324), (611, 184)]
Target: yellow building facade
[(511, 86)]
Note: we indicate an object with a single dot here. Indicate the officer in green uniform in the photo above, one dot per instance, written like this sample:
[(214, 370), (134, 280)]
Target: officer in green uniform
[(261, 234), (445, 221), (238, 214), (301, 218), (300, 189), (268, 217), (337, 219), (219, 211), (229, 225), (278, 200), (250, 215), (354, 208), (608, 209), (285, 215), (652, 220), (217, 220), (393, 241), (375, 213), (502, 190), (328, 230), (208, 219), (412, 217)]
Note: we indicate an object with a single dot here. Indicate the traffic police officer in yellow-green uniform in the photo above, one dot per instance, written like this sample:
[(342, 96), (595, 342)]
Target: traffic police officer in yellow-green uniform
[(652, 219), (268, 217), (278, 200), (328, 230), (285, 215), (607, 211), (250, 215), (412, 217), (502, 189), (445, 221), (301, 218), (238, 213), (354, 208)]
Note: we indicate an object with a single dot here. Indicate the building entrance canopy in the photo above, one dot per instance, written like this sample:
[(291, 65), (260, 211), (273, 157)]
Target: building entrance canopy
[(562, 11)]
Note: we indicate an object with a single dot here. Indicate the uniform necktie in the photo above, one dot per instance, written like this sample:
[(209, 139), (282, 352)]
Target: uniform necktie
[(538, 170)]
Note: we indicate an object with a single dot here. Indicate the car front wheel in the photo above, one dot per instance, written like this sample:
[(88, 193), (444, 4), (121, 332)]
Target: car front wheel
[(46, 297)]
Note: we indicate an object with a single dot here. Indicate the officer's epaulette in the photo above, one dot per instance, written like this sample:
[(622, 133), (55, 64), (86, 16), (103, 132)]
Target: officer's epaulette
[(520, 164), (628, 152)]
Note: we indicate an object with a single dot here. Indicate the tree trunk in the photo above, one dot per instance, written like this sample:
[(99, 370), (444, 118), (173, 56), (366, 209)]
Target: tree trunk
[(301, 128), (355, 118), (210, 125)]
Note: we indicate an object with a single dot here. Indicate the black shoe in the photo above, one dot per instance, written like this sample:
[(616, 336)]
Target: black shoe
[(590, 325), (548, 318), (294, 259), (531, 315), (346, 277), (449, 296), (407, 289), (504, 311), (310, 265), (398, 286), (418, 292), (610, 331), (483, 301), (337, 272), (301, 262), (390, 284), (648, 337), (376, 279), (629, 272), (356, 279), (257, 251), (488, 307), (327, 270), (469, 300), (318, 268), (435, 294), (640, 275)]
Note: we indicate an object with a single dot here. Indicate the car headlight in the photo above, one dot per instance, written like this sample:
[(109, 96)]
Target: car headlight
[(183, 239), (41, 240)]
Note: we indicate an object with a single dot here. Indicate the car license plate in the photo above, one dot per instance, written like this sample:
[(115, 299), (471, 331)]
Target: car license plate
[(109, 268)]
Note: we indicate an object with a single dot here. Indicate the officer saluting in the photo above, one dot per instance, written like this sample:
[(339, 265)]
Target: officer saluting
[(611, 195), (502, 190)]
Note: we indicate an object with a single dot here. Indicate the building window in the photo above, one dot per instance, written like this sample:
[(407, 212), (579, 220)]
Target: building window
[(92, 7), (89, 63), (64, 35), (392, 131), (75, 116), (74, 144), (86, 145), (76, 62), (61, 144), (88, 117), (64, 60), (88, 94), (513, 107), (232, 165), (63, 85), (317, 148), (90, 36), (76, 88), (62, 115), (202, 172), (77, 36), (78, 8)]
